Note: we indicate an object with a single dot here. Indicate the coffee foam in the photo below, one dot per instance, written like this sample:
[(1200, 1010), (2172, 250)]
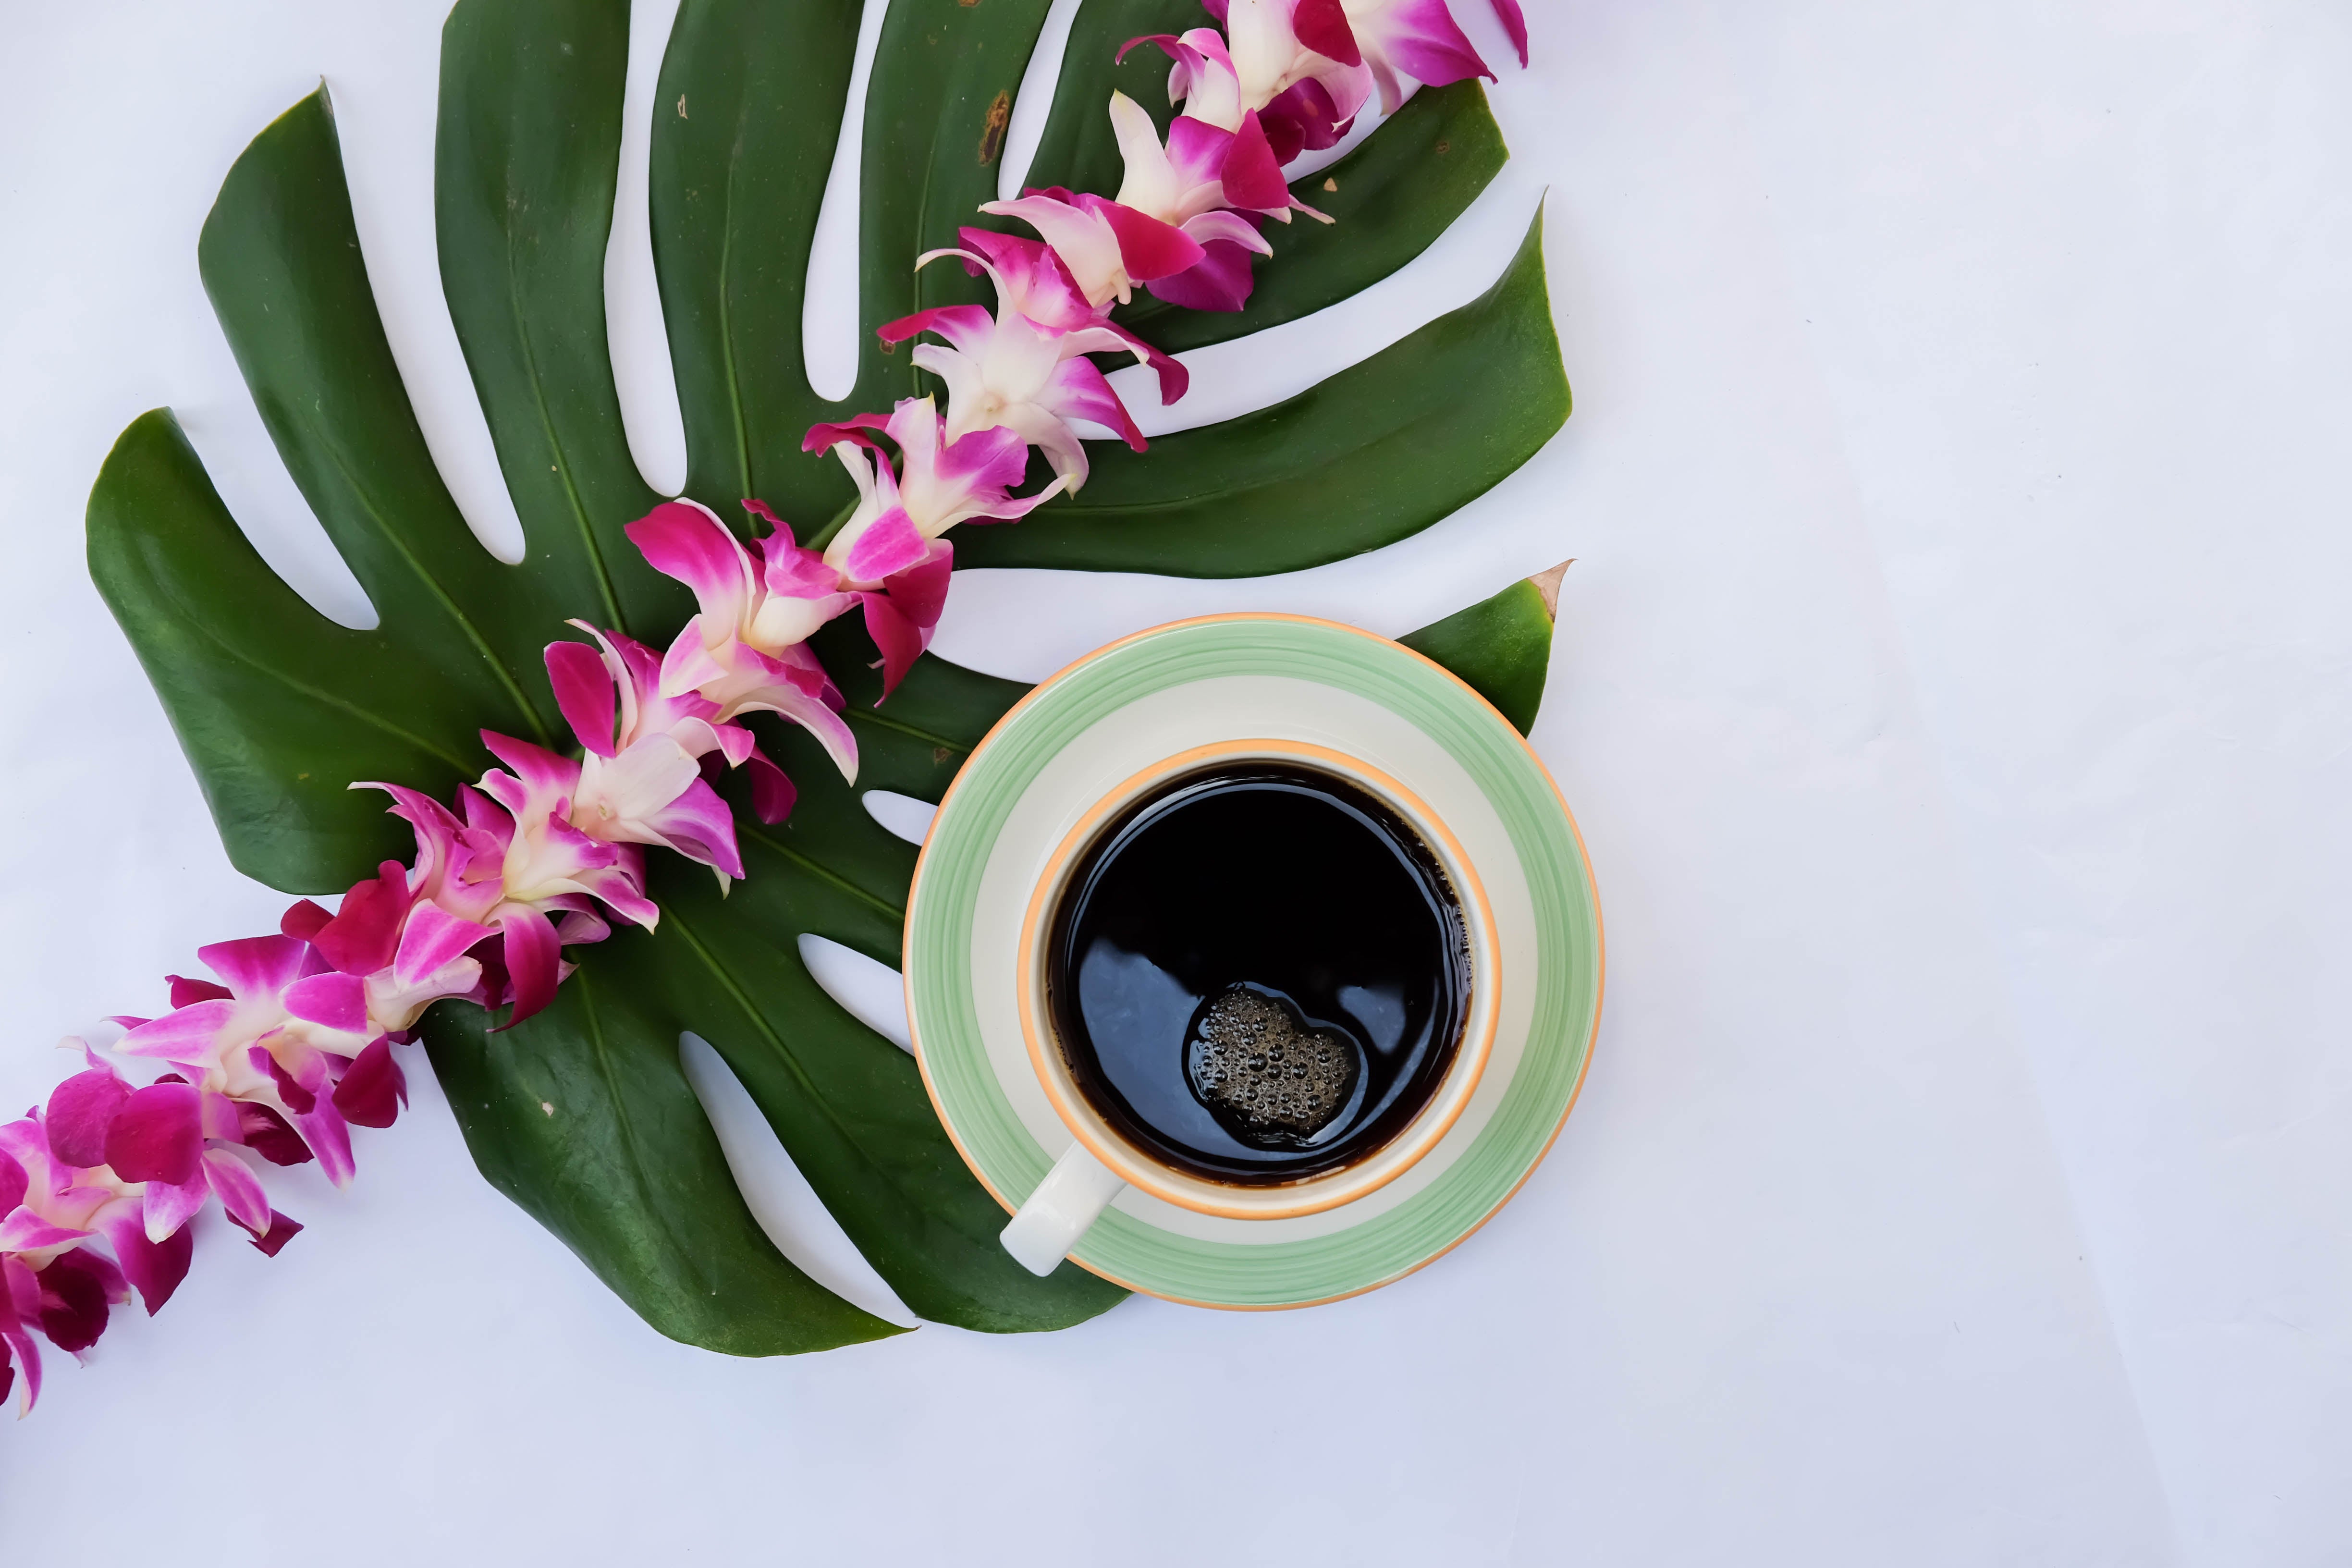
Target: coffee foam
[(1274, 1081)]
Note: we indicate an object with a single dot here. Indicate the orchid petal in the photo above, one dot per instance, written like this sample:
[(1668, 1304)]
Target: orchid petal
[(329, 1137), (179, 1035), (531, 958), (79, 1112), (583, 693), (186, 992), (373, 1091), (432, 940), (25, 1231), (333, 1001), (302, 920), (255, 965), (276, 1232), (1221, 282), (156, 1134), (268, 1134), (155, 1267), (1514, 24), (170, 1206), (966, 326), (238, 1189), (900, 618), (892, 543), (76, 1289), (773, 793), (680, 539)]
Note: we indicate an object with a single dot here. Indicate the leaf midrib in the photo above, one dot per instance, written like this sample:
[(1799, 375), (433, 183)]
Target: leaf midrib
[(819, 870), (554, 444), (883, 722), (200, 624), (726, 310)]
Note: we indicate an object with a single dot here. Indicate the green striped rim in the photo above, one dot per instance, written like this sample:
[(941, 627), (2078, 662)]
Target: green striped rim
[(1559, 883)]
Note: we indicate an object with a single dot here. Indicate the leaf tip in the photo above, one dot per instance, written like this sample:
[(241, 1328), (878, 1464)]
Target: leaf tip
[(1546, 585)]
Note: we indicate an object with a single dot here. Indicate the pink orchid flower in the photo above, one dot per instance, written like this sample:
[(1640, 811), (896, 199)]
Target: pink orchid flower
[(1293, 61), (889, 552), (747, 651), (66, 1298), (1192, 182), (939, 482), (1010, 370), (1419, 40), (641, 778), (1109, 250), (1202, 171), (408, 951), (1033, 280), (64, 1292), (282, 1033), (56, 1162), (61, 1189), (507, 868)]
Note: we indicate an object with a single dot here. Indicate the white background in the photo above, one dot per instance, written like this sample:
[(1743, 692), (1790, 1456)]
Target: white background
[(1952, 688)]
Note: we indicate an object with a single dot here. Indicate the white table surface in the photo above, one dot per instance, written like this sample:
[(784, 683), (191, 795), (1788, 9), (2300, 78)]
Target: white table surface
[(1952, 688)]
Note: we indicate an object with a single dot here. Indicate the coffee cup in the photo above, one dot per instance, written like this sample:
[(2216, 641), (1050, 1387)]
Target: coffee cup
[(1258, 979)]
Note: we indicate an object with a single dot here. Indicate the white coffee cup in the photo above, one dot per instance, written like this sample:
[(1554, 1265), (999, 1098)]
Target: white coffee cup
[(1101, 1163)]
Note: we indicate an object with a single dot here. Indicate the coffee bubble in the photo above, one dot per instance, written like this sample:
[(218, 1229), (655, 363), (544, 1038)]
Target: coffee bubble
[(1273, 1079)]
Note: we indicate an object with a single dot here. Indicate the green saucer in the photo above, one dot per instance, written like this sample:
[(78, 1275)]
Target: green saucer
[(1161, 692)]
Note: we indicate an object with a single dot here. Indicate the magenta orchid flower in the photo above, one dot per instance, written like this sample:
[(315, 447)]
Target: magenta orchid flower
[(67, 1299), (1203, 182), (508, 868), (889, 552), (747, 651), (55, 1163), (1419, 40), (1295, 62), (61, 1190), (641, 777), (1013, 371), (1110, 250), (282, 1032), (939, 482), (1033, 279), (408, 951), (1202, 172), (1275, 44)]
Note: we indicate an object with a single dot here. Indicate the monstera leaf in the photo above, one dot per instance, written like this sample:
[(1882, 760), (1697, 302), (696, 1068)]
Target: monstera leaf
[(583, 1114)]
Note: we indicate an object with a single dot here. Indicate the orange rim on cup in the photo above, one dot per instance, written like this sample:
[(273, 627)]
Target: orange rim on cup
[(1102, 1163)]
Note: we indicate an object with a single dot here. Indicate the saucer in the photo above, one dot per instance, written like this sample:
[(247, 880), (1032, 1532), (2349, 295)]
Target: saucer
[(1194, 683)]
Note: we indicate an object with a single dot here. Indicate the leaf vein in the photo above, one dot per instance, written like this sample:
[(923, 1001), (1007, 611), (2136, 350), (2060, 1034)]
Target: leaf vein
[(433, 586)]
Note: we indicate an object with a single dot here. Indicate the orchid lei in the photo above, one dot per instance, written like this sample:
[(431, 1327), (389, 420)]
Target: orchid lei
[(289, 1046)]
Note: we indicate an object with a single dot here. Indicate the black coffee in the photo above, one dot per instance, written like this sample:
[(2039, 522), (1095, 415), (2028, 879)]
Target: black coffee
[(1258, 974)]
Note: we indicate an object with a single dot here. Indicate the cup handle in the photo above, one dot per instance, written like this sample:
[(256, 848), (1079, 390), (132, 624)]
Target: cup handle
[(1072, 1197)]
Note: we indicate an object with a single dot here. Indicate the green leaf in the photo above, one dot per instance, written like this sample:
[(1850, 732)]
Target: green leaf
[(1373, 455), (277, 707), (751, 99), (583, 1114), (749, 104), (1077, 150), (280, 259), (1501, 647)]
